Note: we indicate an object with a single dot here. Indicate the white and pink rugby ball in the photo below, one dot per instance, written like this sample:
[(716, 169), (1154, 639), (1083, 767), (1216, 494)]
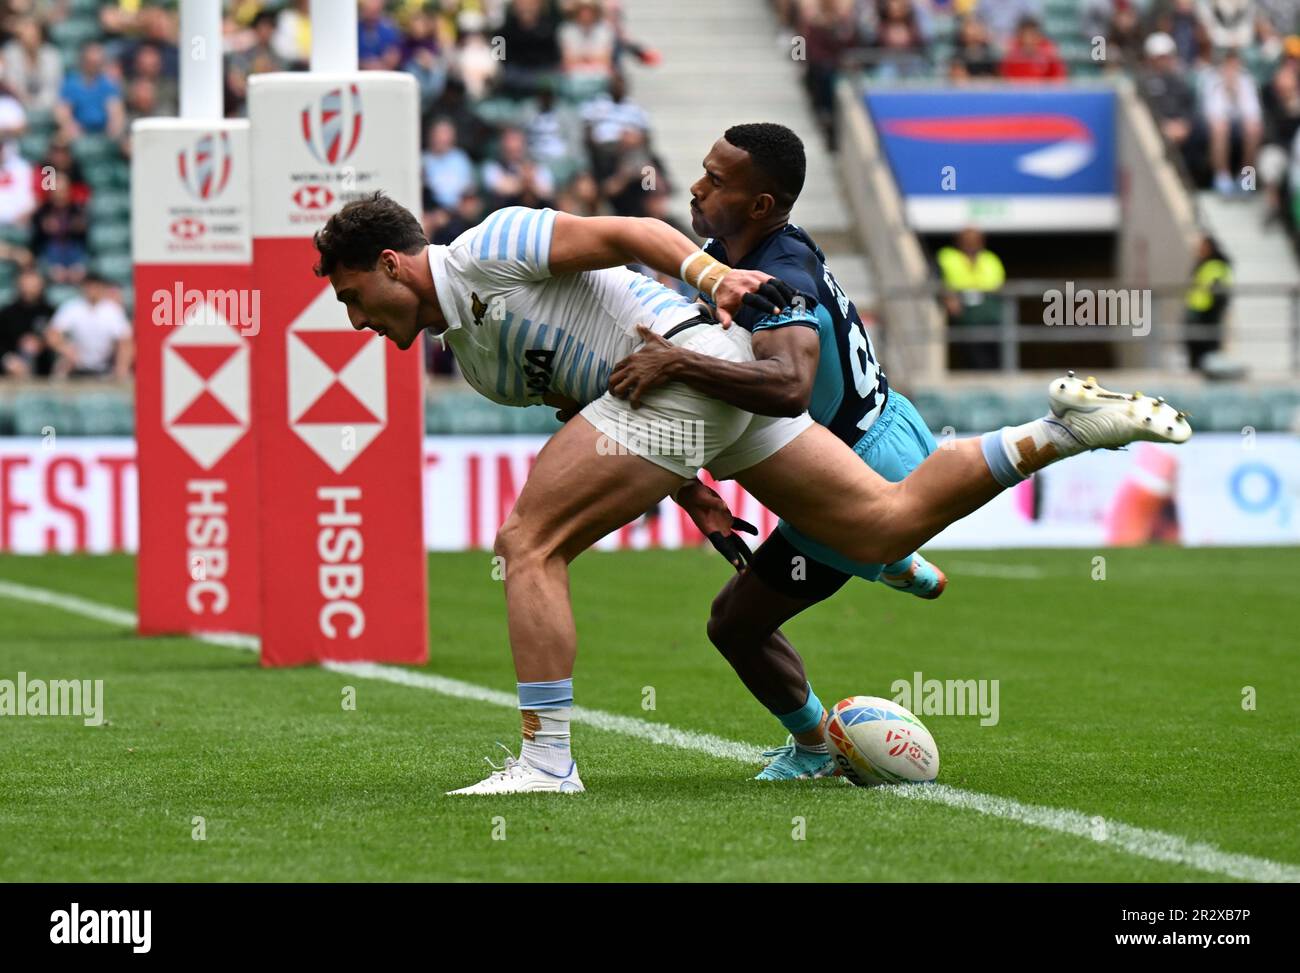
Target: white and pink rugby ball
[(876, 741)]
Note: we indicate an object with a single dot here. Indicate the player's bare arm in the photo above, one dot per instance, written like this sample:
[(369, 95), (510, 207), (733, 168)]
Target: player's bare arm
[(582, 243), (779, 382)]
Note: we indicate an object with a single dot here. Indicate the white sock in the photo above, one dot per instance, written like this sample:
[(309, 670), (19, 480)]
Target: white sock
[(546, 739)]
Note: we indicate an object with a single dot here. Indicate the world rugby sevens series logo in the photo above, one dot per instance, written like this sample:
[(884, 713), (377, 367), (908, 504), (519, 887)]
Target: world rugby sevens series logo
[(205, 165), (331, 126)]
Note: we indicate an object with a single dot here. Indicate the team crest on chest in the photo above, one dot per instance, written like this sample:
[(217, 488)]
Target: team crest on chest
[(478, 308)]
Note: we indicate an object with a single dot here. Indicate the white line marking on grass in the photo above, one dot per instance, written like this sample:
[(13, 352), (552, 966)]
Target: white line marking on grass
[(1139, 842), (982, 569)]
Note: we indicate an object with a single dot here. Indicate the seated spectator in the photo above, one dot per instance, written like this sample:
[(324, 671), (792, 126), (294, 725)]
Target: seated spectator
[(23, 322), (532, 47), (445, 225), (147, 64), (293, 34), (1179, 19), (1229, 23), (581, 196), (59, 160), (422, 57), (587, 41), (90, 334), (475, 61), (1207, 299), (59, 237), (1172, 99), (555, 133), (379, 42), (606, 116), (141, 102), (448, 171), (898, 40), (635, 176), (1004, 17), (514, 179), (1232, 113), (13, 118), (33, 68), (972, 274), (90, 101), (1124, 36), (1031, 55), (974, 49), (258, 57), (17, 188)]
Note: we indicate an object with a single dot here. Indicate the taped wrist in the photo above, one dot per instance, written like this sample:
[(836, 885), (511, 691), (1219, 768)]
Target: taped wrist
[(703, 272)]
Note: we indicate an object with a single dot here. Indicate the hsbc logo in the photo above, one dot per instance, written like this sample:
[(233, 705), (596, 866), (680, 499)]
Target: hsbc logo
[(187, 228), (205, 385), (205, 165), (331, 125), (313, 197), (338, 383)]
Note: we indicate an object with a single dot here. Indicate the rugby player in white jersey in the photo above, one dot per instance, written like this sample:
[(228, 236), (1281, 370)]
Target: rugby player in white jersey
[(537, 306)]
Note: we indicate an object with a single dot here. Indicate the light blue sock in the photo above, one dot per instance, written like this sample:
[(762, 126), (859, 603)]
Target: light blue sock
[(806, 717), (545, 709), (1000, 464)]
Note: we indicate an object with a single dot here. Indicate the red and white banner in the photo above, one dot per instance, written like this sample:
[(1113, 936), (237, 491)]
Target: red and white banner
[(339, 413), (79, 495), (195, 313)]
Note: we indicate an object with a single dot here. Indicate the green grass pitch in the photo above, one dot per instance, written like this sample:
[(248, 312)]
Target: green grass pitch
[(1119, 698)]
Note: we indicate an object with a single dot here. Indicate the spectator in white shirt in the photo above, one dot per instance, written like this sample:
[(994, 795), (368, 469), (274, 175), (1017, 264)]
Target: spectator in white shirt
[(1230, 103), (90, 334), (17, 188), (33, 68), (448, 171), (587, 43), (1230, 23)]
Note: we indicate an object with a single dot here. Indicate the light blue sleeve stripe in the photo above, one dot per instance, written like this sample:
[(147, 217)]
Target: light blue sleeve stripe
[(526, 227), (503, 245), (542, 243), (485, 233)]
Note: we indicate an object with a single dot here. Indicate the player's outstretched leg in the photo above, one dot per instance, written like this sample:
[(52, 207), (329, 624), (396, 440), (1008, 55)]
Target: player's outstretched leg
[(865, 517), (577, 493)]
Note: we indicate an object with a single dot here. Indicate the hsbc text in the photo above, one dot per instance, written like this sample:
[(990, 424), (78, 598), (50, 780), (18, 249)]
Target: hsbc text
[(339, 545), (207, 532)]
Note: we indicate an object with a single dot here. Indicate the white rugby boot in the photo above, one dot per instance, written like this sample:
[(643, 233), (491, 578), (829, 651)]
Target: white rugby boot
[(1100, 419), (521, 777)]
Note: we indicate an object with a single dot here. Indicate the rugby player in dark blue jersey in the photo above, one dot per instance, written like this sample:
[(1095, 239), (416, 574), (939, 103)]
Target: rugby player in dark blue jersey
[(816, 355)]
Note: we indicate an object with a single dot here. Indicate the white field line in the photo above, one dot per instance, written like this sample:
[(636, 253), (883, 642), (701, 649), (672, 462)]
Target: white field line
[(1139, 842)]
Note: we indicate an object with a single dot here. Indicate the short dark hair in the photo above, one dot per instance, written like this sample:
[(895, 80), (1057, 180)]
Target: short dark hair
[(777, 154), (357, 234)]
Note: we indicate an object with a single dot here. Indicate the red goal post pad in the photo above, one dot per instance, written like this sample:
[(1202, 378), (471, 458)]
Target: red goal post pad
[(196, 315), (339, 413)]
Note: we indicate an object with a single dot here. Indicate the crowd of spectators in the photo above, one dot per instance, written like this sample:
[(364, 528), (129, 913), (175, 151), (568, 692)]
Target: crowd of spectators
[(523, 102)]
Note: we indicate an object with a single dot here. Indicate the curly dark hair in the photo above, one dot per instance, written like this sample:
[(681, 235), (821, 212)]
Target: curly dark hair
[(778, 156), (357, 234)]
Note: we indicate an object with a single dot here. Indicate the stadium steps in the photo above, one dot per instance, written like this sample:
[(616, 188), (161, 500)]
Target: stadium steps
[(1259, 326), (725, 62)]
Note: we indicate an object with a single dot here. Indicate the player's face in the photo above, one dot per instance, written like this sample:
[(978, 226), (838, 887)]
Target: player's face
[(378, 300), (721, 198)]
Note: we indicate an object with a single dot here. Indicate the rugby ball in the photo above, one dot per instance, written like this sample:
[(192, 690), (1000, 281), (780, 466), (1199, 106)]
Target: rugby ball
[(875, 741)]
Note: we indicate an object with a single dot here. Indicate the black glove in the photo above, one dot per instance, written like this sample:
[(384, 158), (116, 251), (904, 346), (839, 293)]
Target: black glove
[(774, 293), (732, 546)]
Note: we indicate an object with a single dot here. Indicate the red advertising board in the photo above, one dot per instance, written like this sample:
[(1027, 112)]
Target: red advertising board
[(339, 413), (195, 313)]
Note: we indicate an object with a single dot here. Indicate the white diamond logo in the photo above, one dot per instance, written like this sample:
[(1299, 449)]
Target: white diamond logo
[(338, 383), (205, 385)]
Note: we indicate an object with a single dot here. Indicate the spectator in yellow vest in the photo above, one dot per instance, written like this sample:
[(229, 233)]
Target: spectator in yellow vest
[(1208, 297), (972, 275)]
